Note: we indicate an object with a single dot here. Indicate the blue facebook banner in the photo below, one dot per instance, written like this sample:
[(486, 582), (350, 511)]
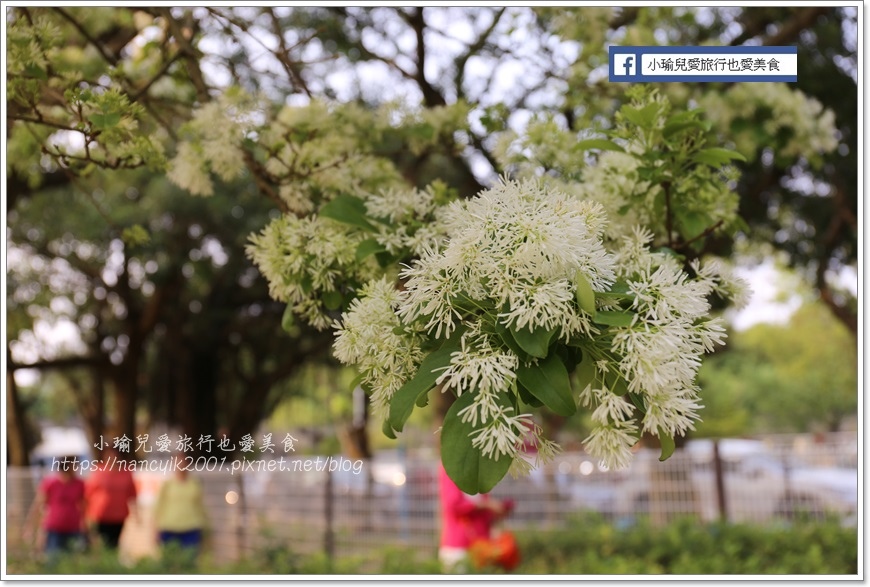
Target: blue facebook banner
[(703, 64)]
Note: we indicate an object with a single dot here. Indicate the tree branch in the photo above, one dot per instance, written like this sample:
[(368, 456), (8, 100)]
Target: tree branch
[(473, 50), (263, 184), (804, 19), (842, 219), (110, 59), (191, 55), (431, 96), (64, 363), (626, 17)]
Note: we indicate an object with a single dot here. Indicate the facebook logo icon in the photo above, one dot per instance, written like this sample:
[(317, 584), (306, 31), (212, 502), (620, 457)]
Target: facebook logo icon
[(624, 64)]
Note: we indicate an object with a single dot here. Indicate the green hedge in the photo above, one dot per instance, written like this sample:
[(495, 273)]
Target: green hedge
[(587, 546), (591, 546)]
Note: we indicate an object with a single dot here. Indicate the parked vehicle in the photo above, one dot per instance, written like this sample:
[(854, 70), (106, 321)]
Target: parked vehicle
[(759, 485)]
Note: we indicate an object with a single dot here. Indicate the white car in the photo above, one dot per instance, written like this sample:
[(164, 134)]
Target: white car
[(758, 485)]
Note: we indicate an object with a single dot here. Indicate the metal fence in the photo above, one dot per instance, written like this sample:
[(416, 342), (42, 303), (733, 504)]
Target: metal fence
[(359, 508)]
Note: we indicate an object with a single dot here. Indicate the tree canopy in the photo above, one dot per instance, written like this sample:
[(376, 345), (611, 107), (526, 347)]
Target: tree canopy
[(792, 377)]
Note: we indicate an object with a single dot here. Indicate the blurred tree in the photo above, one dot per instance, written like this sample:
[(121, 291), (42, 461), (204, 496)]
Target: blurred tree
[(794, 377), (177, 324)]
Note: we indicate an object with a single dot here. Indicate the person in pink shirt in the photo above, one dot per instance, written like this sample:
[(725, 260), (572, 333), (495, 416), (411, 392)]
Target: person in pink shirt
[(60, 501), (464, 519), (109, 491)]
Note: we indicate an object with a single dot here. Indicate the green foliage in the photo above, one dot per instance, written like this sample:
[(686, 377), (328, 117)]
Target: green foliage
[(409, 395), (586, 546), (465, 463), (591, 546), (798, 376), (548, 381), (273, 558)]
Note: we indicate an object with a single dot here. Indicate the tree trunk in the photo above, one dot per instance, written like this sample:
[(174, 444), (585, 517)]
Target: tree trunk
[(18, 440), (95, 416), (198, 406), (354, 437), (125, 394)]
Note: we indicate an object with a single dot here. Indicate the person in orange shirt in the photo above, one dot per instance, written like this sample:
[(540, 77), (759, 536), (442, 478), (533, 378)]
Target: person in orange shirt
[(109, 492)]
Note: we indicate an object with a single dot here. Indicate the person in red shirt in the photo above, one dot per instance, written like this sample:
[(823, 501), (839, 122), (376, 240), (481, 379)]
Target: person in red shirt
[(466, 520), (109, 492), (60, 502)]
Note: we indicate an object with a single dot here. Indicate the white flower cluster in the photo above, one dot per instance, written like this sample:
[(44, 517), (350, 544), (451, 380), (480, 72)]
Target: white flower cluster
[(812, 128), (411, 219), (611, 182), (659, 352), (515, 248), (371, 337), (217, 129), (319, 151), (511, 257), (303, 258), (544, 144)]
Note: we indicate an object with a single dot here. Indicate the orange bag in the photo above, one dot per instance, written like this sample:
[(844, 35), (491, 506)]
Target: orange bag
[(499, 551)]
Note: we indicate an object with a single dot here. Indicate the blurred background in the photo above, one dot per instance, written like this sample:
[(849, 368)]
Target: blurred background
[(131, 308)]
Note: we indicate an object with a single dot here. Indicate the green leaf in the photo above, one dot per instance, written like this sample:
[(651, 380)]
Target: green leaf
[(472, 472), (385, 259), (367, 248), (534, 342), (633, 115), (586, 372), (35, 71), (668, 445), (570, 355), (403, 401), (671, 252), (601, 144), (349, 210), (288, 320), (643, 117), (357, 381), (105, 121), (680, 122), (613, 318), (423, 400), (306, 284), (717, 156), (548, 381), (583, 292), (638, 402), (332, 300), (649, 113), (618, 290), (671, 129), (423, 131), (388, 430), (692, 223), (508, 339), (528, 398), (616, 383)]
